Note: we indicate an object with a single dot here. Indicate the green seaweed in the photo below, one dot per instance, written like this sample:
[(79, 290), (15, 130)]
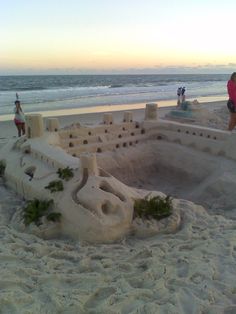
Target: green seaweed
[(2, 168), (65, 173), (55, 186), (35, 210), (156, 207)]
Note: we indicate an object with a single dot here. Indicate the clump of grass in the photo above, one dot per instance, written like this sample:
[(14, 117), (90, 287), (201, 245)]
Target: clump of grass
[(2, 168), (35, 210), (55, 186), (156, 207), (65, 173)]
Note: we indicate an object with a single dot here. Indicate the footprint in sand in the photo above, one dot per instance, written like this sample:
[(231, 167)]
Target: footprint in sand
[(182, 268), (99, 297), (197, 278)]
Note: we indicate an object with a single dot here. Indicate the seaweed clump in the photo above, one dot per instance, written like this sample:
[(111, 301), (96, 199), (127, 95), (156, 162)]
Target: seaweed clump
[(65, 173), (55, 186), (2, 168), (155, 207), (36, 209)]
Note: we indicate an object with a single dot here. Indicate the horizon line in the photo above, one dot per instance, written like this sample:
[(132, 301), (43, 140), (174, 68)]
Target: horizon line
[(111, 74)]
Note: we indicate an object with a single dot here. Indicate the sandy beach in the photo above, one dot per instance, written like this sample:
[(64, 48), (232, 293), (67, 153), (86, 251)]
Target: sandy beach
[(189, 271)]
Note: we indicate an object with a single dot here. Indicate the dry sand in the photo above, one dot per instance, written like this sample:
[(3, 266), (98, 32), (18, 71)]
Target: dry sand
[(190, 271)]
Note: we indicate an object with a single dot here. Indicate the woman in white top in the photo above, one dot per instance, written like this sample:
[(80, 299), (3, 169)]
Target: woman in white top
[(19, 118)]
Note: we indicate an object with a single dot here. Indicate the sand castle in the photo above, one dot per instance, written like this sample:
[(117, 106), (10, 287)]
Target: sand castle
[(95, 206)]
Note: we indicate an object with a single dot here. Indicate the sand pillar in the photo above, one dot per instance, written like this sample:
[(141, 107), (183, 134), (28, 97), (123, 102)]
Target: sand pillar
[(128, 116), (151, 111), (107, 118), (89, 162), (52, 124), (34, 125)]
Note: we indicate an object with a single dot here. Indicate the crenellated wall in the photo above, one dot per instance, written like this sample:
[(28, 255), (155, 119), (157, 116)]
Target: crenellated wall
[(107, 137), (208, 140), (101, 138)]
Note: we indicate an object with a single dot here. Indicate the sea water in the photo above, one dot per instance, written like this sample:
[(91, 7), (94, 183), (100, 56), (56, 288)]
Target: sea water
[(55, 92)]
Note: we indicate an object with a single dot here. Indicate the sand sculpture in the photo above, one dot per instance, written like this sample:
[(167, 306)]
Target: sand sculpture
[(95, 206)]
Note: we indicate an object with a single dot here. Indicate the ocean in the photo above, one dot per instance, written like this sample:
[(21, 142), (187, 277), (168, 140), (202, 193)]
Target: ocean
[(55, 92)]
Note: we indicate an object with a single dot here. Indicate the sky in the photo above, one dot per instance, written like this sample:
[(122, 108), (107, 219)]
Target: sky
[(111, 36)]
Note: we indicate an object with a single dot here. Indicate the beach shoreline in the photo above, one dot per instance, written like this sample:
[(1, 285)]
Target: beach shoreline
[(94, 115), (114, 107)]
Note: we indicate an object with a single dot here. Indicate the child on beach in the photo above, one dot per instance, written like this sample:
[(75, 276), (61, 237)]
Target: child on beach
[(19, 118), (231, 104)]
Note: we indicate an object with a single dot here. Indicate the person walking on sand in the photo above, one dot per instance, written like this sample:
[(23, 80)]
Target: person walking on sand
[(231, 104), (19, 118)]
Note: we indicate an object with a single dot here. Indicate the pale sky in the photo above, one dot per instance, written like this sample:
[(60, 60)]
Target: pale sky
[(111, 36)]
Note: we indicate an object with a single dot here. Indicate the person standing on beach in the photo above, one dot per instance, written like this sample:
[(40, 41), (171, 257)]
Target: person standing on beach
[(183, 93), (19, 118), (231, 104), (178, 95)]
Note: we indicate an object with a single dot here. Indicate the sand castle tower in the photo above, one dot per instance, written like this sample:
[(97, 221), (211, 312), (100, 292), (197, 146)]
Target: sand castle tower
[(107, 118), (151, 111), (128, 116), (34, 125), (89, 162), (52, 124)]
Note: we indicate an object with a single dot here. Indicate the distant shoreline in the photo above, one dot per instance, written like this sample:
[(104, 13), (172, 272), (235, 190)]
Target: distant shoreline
[(113, 108)]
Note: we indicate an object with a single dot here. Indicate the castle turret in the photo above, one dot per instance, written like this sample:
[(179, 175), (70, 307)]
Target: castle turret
[(151, 111), (34, 125)]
